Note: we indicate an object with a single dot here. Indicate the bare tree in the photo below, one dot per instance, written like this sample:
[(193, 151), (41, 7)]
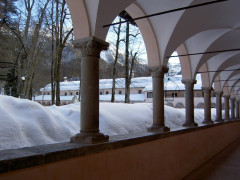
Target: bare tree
[(118, 33), (35, 46), (61, 38)]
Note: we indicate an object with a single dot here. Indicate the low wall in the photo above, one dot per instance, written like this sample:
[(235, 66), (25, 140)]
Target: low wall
[(167, 156)]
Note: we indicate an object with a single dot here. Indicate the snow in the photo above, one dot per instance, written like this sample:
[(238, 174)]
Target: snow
[(104, 97), (49, 98), (27, 123)]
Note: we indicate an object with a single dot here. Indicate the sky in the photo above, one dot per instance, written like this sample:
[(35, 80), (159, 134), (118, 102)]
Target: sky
[(111, 38)]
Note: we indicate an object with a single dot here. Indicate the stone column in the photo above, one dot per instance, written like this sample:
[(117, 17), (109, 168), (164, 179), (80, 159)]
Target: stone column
[(232, 108), (218, 95), (237, 109), (90, 49), (226, 106), (207, 105), (189, 103), (158, 99)]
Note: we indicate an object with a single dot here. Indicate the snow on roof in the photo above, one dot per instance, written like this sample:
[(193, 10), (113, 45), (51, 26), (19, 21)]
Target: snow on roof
[(66, 85), (175, 83), (170, 83)]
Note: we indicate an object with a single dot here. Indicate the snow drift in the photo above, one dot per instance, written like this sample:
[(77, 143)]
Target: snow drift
[(27, 123)]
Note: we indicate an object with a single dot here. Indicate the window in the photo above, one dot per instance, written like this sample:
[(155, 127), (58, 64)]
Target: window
[(100, 92), (106, 92), (43, 93), (139, 91), (76, 93), (119, 92), (65, 94), (149, 95), (174, 94), (47, 93), (71, 93)]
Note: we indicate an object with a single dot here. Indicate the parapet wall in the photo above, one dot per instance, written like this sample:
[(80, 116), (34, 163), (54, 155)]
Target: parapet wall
[(168, 156)]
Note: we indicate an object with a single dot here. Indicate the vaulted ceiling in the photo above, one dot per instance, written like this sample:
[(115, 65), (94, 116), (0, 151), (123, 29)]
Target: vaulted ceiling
[(213, 27)]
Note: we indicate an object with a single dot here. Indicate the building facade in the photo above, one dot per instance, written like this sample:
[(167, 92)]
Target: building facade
[(140, 91)]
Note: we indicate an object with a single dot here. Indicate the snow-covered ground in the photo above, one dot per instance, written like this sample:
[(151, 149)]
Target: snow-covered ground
[(27, 123)]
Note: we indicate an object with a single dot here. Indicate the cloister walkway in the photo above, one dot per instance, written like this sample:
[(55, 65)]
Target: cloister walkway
[(224, 166)]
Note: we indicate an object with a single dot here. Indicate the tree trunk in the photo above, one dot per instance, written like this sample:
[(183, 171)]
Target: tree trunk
[(53, 85), (115, 61), (127, 83), (132, 66)]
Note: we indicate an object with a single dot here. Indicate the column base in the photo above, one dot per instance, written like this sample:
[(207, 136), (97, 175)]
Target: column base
[(158, 128), (190, 124), (89, 138), (219, 120), (207, 121), (228, 119)]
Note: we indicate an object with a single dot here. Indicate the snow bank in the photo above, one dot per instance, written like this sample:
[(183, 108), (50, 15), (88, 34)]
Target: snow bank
[(27, 123)]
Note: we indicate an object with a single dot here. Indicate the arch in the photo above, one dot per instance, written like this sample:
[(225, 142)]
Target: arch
[(225, 91), (200, 105), (179, 105), (234, 87), (170, 104), (79, 18), (201, 22), (223, 39), (213, 105), (205, 76), (200, 43), (233, 77), (228, 84), (89, 16), (217, 84), (224, 64), (184, 62), (148, 34)]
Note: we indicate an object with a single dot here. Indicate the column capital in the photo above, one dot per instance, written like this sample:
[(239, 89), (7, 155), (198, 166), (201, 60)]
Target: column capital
[(227, 96), (90, 46), (189, 81), (207, 88), (218, 93), (158, 71)]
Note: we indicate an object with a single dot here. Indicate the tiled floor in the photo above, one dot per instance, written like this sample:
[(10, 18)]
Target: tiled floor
[(224, 166)]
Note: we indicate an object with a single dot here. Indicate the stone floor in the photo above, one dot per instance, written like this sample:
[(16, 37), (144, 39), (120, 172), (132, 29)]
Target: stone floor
[(224, 166)]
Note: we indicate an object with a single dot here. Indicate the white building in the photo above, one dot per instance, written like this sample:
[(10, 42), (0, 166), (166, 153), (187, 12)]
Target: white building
[(140, 91)]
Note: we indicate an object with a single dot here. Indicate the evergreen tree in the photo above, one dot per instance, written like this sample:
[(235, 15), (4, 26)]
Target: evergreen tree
[(8, 9), (11, 86)]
